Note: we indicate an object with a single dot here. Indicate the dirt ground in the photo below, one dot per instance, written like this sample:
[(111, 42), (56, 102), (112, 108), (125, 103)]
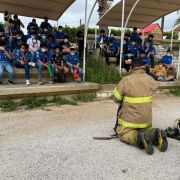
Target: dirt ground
[(57, 143)]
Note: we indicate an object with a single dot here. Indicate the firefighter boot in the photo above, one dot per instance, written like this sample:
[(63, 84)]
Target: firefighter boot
[(160, 140), (144, 142)]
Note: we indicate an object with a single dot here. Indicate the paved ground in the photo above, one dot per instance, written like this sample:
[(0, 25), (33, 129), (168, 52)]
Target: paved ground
[(57, 144)]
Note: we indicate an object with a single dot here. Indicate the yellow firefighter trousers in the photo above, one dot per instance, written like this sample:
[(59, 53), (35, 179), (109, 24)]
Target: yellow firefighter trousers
[(129, 135)]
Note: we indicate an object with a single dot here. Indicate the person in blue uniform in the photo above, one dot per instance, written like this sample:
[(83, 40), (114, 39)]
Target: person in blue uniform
[(59, 36), (22, 59), (143, 56), (44, 61), (5, 58), (73, 63)]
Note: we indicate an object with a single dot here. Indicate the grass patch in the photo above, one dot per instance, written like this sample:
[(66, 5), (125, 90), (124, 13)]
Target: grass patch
[(62, 101), (175, 92), (85, 97), (8, 106), (97, 72), (33, 102)]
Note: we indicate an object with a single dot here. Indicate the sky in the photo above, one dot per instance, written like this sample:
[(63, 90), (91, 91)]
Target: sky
[(76, 12)]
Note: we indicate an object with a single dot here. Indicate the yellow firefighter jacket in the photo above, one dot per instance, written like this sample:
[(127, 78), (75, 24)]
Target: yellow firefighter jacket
[(135, 92)]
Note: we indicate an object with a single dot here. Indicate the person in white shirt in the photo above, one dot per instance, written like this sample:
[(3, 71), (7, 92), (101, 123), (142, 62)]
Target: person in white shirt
[(34, 45)]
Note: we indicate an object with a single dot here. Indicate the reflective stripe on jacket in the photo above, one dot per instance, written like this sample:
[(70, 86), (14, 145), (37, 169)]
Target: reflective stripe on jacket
[(136, 92)]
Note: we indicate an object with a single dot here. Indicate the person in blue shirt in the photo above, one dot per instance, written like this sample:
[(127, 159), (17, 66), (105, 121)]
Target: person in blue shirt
[(72, 61), (143, 56), (5, 57), (51, 44), (134, 49), (19, 40), (167, 60), (151, 49), (44, 60), (43, 38), (102, 39), (46, 27), (59, 36), (22, 59), (135, 37), (112, 48)]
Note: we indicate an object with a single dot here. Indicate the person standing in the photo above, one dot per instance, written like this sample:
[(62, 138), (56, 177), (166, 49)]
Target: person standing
[(80, 40)]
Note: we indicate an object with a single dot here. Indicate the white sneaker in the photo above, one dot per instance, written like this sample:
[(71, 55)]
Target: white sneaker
[(27, 82), (32, 64), (40, 83)]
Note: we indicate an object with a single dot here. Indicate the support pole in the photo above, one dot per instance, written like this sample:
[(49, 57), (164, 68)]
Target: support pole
[(95, 45), (178, 68), (172, 34), (122, 37), (85, 41), (85, 35)]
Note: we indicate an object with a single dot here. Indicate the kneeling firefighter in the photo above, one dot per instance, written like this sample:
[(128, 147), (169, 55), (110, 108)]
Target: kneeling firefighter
[(134, 93)]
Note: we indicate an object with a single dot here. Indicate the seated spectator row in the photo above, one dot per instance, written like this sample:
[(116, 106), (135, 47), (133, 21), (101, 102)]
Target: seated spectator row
[(133, 47)]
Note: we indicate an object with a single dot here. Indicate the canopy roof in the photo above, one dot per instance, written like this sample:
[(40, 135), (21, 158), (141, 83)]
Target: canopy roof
[(177, 28), (146, 12), (53, 9)]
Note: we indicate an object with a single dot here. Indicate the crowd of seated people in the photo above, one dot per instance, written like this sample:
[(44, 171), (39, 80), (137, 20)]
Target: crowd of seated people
[(41, 48), (133, 47)]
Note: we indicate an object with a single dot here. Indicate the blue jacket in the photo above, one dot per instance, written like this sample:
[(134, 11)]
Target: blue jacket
[(18, 55), (51, 45), (44, 57), (72, 59), (136, 38), (145, 60), (167, 59), (3, 56), (100, 37), (134, 50), (59, 35)]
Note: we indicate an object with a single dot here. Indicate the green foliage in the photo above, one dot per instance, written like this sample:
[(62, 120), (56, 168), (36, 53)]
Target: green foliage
[(85, 97), (97, 72), (8, 105), (175, 92), (33, 102), (168, 34), (62, 101)]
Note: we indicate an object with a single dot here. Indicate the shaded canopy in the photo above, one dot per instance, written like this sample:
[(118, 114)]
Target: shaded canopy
[(146, 12), (53, 9)]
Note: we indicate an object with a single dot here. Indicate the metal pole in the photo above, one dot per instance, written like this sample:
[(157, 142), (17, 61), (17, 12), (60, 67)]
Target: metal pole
[(85, 37), (95, 45), (130, 13), (172, 34), (122, 36), (178, 68)]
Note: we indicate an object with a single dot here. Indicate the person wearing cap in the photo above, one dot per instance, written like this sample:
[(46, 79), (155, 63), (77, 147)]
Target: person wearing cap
[(43, 60), (46, 27), (143, 56), (34, 45), (59, 65), (22, 58), (72, 61), (5, 58), (134, 94), (59, 36)]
